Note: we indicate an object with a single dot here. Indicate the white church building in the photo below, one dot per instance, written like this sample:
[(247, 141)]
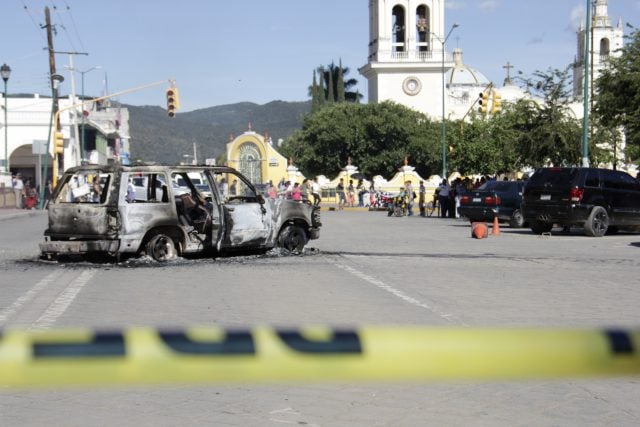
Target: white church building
[(408, 62)]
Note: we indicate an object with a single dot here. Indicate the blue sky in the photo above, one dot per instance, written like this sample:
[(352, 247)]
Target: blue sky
[(222, 52)]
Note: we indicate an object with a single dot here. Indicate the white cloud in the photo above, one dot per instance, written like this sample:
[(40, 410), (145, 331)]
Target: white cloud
[(577, 16), (488, 5), (455, 5)]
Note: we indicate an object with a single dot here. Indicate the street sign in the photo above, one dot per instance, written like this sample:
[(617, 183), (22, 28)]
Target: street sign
[(39, 146)]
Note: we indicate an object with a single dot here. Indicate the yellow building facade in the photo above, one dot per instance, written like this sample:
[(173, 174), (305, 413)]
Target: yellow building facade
[(256, 158)]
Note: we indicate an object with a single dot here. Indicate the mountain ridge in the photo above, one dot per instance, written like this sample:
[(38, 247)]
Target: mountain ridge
[(155, 137)]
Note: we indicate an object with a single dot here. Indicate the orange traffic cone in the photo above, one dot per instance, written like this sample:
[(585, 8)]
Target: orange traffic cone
[(479, 230), (495, 230)]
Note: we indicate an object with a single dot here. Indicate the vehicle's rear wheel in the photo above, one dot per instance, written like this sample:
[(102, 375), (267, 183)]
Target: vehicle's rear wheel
[(517, 220), (541, 227), (161, 248), (597, 223), (398, 211), (292, 238)]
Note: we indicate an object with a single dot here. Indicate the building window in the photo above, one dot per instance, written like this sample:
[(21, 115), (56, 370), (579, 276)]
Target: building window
[(423, 28), (398, 28), (604, 49), (251, 162)]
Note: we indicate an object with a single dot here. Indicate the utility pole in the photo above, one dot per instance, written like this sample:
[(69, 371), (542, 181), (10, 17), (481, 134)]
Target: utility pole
[(55, 79), (77, 143), (585, 118)]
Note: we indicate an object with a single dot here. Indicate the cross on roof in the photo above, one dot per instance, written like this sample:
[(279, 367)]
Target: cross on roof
[(508, 67)]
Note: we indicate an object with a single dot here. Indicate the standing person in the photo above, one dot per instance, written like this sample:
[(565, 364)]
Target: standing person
[(233, 190), (315, 191), (272, 192), (304, 189), (421, 198), (48, 191), (288, 187), (411, 195), (360, 190), (352, 194), (460, 190), (18, 187), (296, 193), (224, 188), (342, 199), (443, 197), (131, 192)]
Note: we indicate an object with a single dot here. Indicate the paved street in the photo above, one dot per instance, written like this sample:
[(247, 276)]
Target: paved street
[(366, 269)]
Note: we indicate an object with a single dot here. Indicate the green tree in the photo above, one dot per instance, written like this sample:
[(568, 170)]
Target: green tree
[(330, 89), (340, 95), (315, 94), (548, 132), (617, 102), (377, 137)]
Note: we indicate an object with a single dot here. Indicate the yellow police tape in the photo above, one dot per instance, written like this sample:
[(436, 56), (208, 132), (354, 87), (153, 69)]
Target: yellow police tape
[(263, 354)]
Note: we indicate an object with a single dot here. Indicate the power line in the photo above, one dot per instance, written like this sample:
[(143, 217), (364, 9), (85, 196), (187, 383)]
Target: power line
[(75, 27), (38, 27), (62, 25)]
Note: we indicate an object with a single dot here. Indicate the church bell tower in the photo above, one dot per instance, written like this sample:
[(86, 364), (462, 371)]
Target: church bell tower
[(605, 40), (406, 54)]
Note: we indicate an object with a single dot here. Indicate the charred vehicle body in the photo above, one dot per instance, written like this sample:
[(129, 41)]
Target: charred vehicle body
[(97, 210)]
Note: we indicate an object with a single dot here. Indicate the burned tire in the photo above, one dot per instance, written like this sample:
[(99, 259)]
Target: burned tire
[(597, 223), (541, 227), (292, 238), (161, 248), (516, 220)]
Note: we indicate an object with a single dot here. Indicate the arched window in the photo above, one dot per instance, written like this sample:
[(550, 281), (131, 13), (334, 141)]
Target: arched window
[(250, 162), (398, 29), (423, 28), (604, 49)]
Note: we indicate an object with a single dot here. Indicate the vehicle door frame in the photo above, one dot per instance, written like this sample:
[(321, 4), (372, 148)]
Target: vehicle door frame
[(240, 210), (216, 220)]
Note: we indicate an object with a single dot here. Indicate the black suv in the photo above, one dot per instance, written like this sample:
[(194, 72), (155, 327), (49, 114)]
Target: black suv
[(599, 200)]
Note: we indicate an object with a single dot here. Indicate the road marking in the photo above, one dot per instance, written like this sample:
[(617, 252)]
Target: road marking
[(64, 300), (398, 293), (28, 296)]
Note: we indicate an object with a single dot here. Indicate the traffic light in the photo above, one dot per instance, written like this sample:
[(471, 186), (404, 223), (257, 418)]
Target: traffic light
[(484, 102), (58, 143), (173, 101), (496, 107)]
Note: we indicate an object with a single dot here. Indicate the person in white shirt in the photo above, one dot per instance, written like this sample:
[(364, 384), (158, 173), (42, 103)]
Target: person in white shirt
[(18, 186), (315, 191), (443, 198)]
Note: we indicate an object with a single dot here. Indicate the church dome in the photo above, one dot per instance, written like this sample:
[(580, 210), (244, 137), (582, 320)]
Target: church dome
[(462, 75)]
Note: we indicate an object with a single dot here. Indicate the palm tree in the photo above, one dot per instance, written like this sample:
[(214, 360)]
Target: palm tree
[(334, 76)]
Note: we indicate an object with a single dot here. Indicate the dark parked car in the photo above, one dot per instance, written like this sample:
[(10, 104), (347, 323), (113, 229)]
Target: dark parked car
[(97, 210), (494, 199), (600, 200)]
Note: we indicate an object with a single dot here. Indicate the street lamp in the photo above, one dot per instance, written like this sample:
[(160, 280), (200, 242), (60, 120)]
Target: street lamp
[(444, 128), (82, 73), (5, 71)]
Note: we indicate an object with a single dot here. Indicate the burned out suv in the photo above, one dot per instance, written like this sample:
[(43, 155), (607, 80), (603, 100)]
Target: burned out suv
[(97, 210), (600, 200)]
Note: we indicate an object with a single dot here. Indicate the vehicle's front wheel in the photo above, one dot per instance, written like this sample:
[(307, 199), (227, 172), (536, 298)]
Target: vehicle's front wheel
[(161, 248), (597, 223), (292, 238), (541, 227), (517, 220)]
